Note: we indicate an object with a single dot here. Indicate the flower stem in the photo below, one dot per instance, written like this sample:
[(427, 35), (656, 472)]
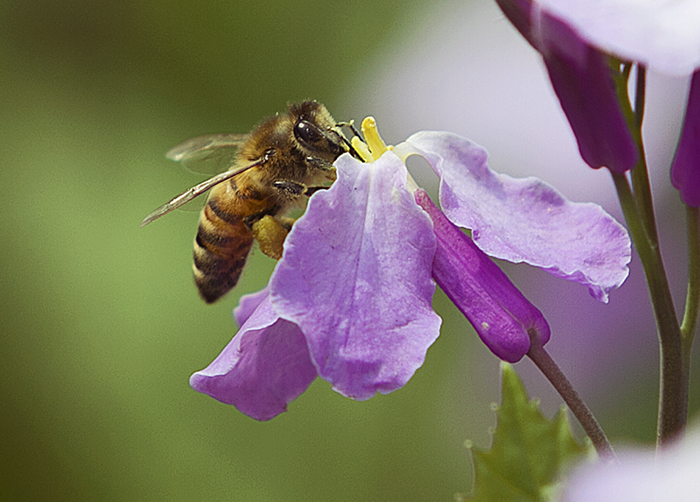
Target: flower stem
[(637, 206), (692, 299), (640, 87), (640, 173), (578, 407), (673, 398)]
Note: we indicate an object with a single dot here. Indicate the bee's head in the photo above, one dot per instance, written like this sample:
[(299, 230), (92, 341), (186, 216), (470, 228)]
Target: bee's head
[(315, 131)]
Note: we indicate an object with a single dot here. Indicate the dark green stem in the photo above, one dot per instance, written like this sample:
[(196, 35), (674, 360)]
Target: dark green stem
[(692, 299), (641, 86), (640, 174), (578, 407), (638, 209), (673, 399)]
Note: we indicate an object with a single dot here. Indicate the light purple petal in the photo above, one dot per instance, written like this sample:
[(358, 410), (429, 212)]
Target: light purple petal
[(524, 220), (662, 34), (263, 368), (355, 276), (248, 303)]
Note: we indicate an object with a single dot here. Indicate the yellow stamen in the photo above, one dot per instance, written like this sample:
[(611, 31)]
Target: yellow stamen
[(361, 148), (374, 140), (375, 147)]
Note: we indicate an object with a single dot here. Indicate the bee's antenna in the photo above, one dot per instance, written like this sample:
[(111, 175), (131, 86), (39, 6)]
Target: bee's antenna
[(351, 125)]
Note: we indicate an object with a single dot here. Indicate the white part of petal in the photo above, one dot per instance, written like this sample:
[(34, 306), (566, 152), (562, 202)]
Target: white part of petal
[(662, 34)]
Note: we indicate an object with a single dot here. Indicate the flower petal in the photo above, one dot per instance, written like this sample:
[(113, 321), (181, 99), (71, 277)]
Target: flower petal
[(641, 475), (355, 276), (524, 220), (501, 315), (263, 368), (519, 13), (248, 304), (582, 80), (663, 35), (685, 173)]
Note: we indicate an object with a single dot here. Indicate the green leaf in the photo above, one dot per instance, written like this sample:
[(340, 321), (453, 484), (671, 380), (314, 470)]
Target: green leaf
[(529, 454)]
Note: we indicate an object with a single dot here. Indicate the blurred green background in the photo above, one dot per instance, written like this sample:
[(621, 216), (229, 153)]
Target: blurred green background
[(101, 324)]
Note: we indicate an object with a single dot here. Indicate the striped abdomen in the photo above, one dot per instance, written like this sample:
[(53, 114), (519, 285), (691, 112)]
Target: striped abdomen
[(221, 247)]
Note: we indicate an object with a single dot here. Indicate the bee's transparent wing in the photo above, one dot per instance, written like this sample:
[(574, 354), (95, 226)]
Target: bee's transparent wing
[(195, 191), (208, 154)]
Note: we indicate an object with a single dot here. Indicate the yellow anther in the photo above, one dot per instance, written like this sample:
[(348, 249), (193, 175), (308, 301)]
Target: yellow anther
[(374, 140)]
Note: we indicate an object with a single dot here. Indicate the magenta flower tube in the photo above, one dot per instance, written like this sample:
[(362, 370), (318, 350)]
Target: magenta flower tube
[(503, 318), (685, 172)]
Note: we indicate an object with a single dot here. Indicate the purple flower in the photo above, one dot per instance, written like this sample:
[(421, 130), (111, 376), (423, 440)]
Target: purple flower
[(583, 81), (350, 300), (685, 172), (576, 39)]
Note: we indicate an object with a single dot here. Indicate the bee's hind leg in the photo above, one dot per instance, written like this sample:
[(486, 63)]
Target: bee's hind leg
[(269, 231), (270, 234)]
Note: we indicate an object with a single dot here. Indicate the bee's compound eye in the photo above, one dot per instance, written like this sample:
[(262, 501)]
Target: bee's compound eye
[(306, 133)]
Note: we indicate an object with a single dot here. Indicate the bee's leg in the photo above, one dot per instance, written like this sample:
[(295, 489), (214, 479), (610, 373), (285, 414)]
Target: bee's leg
[(295, 189), (320, 164), (270, 235), (312, 190), (289, 188), (350, 125)]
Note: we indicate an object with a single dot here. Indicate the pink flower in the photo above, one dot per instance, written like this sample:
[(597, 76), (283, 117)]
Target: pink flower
[(350, 300)]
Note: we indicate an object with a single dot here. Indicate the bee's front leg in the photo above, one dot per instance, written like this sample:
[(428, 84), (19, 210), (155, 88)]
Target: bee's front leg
[(292, 189), (312, 190)]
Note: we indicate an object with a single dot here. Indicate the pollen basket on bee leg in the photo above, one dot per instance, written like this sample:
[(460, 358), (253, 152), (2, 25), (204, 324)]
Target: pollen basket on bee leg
[(270, 234)]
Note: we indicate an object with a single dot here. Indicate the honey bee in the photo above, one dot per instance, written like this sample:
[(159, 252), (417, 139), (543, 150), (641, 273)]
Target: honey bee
[(272, 171)]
